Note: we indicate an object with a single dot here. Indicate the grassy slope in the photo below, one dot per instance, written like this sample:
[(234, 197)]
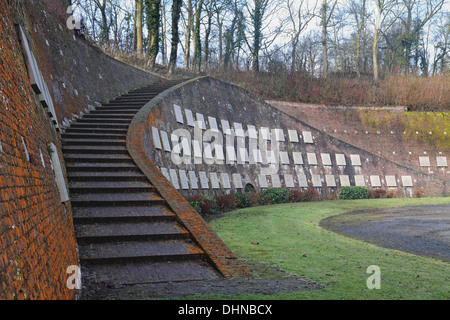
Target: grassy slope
[(287, 232)]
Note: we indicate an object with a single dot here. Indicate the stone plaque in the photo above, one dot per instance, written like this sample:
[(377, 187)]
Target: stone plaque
[(197, 149), (340, 159), (237, 181), (207, 149), (265, 133), (204, 181), (214, 180), (189, 117), (263, 181), (375, 181), (184, 180), (279, 134), (178, 113), (271, 157), (326, 159), (293, 135), (218, 148), (307, 137), (345, 181), (213, 124), (424, 161), (231, 154), (156, 138), (225, 127), (302, 181), (441, 161), (239, 131), (359, 181), (289, 181), (185, 146), (174, 178), (391, 181), (242, 156), (176, 148), (225, 180), (257, 157), (252, 134), (193, 180), (298, 159), (355, 159), (316, 181), (284, 157), (312, 159), (165, 173), (200, 121), (165, 140), (407, 181), (330, 181), (276, 183)]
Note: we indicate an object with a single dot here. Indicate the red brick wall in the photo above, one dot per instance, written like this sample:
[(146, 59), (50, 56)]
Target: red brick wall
[(37, 241)]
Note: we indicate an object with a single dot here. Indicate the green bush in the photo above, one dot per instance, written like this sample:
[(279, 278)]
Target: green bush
[(242, 201), (197, 205), (347, 193), (275, 195)]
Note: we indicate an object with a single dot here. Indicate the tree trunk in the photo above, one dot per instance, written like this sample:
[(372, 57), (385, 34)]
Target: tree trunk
[(187, 46), (176, 11), (139, 11), (153, 20)]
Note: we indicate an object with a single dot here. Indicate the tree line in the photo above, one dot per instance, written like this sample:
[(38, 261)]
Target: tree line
[(316, 37)]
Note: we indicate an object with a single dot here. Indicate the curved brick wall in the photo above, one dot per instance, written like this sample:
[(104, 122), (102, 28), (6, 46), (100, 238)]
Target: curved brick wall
[(201, 110), (37, 242)]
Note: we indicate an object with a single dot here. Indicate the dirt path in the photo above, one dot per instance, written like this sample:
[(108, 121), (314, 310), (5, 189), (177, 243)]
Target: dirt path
[(420, 230)]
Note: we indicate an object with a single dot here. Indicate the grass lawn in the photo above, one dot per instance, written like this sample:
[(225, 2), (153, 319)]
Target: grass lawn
[(290, 238)]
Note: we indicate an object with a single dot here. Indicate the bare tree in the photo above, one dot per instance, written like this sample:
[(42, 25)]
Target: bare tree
[(139, 34), (358, 9), (326, 13), (176, 12)]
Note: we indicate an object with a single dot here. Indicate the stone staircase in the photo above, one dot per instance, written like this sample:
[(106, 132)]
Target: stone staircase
[(125, 231)]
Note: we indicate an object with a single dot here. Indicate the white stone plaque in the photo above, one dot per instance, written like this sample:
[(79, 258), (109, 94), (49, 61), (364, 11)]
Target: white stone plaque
[(242, 156), (252, 134), (375, 181), (293, 135), (218, 148), (178, 113), (165, 173), (231, 154), (204, 181), (355, 159), (359, 181), (225, 180), (207, 150), (284, 157), (316, 181), (276, 183), (441, 161), (225, 127), (289, 181), (263, 181), (174, 178), (214, 180), (239, 131), (424, 161), (184, 180), (298, 159), (189, 117), (176, 147), (391, 181), (312, 158), (197, 149), (340, 159), (345, 181), (156, 138), (302, 181), (326, 159), (193, 180), (165, 140), (200, 121), (265, 133), (307, 137), (279, 134), (186, 146), (213, 124), (237, 180), (407, 181)]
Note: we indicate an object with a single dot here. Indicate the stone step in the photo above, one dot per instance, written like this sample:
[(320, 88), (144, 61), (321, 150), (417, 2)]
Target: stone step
[(106, 176), (123, 108), (115, 112), (101, 167), (101, 136), (99, 125), (113, 199), (130, 251), (104, 158), (122, 214), (150, 272), (102, 114), (129, 231), (98, 142), (97, 130), (80, 149), (123, 104), (110, 187), (103, 119)]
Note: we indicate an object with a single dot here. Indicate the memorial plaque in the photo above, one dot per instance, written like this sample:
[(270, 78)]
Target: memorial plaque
[(441, 161), (257, 157), (156, 138), (176, 148), (207, 150), (184, 180), (197, 149), (293, 135), (213, 124), (204, 182), (226, 127), (200, 121), (298, 159), (312, 159), (165, 140), (345, 181), (307, 137), (407, 181), (330, 181), (340, 159), (289, 181), (424, 161), (237, 180), (174, 178), (231, 154), (265, 133), (316, 181), (326, 159), (271, 157), (218, 148), (263, 181), (359, 181), (279, 134), (284, 157), (165, 173), (189, 117), (355, 159), (302, 181), (193, 180), (276, 183), (252, 133), (375, 181), (391, 181), (214, 180), (238, 130), (178, 113), (225, 180), (186, 146)]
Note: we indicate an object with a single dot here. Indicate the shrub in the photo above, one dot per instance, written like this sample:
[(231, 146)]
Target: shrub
[(275, 195), (392, 194), (226, 202), (296, 195), (347, 193), (418, 192), (243, 200), (253, 198), (378, 193), (197, 205), (206, 204)]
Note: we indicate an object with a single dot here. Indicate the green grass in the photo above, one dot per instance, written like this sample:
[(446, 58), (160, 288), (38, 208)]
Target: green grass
[(287, 232)]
